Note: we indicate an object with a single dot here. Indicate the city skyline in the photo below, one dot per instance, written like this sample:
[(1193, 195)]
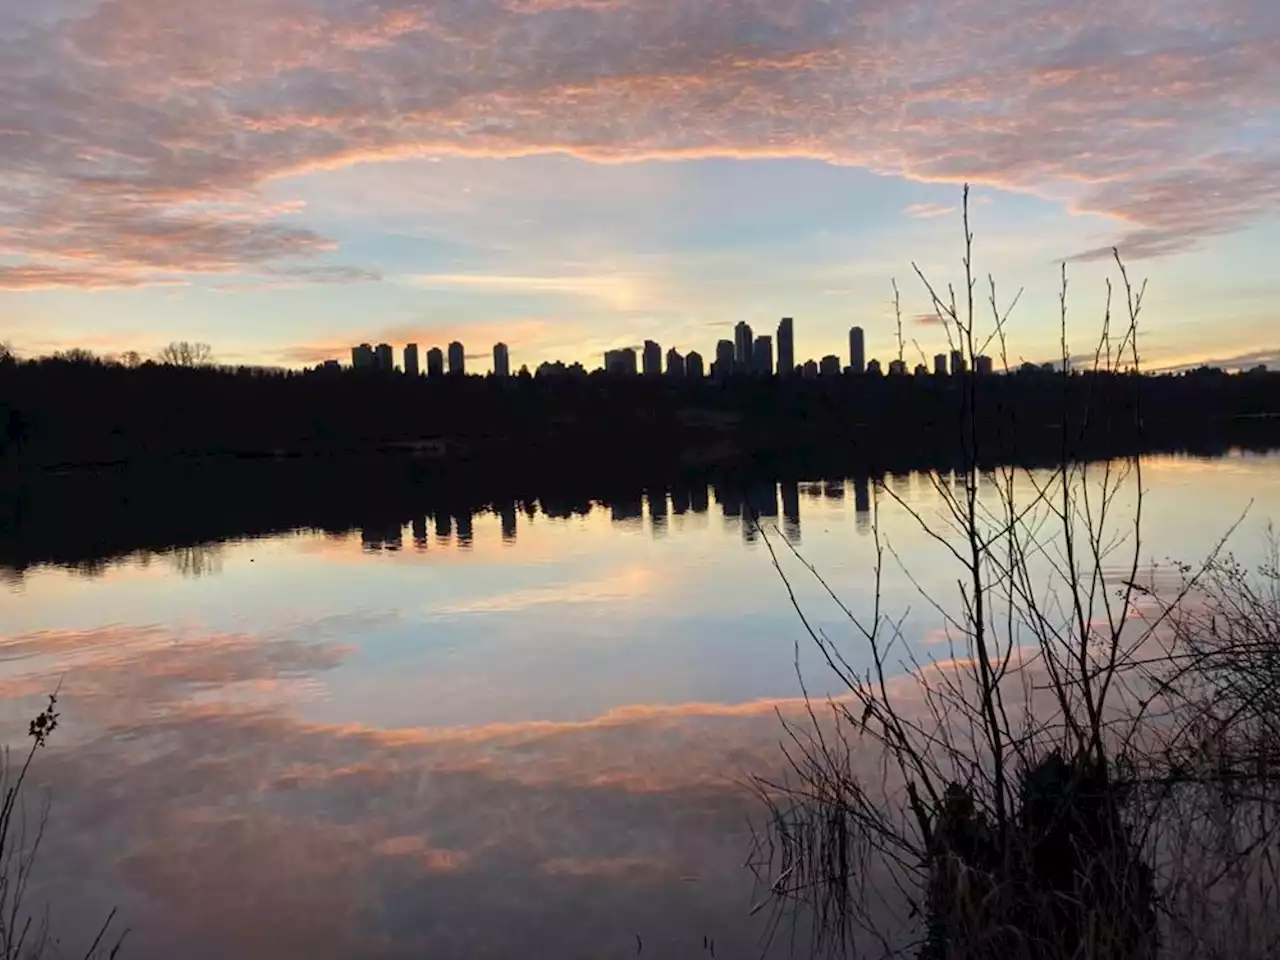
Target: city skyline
[(297, 198), (748, 353)]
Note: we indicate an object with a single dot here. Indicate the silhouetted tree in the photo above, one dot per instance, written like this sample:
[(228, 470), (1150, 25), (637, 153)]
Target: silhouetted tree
[(184, 353)]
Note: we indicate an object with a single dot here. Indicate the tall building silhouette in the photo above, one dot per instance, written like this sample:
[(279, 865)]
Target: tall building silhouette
[(652, 359), (457, 359), (362, 357), (675, 363), (384, 357), (621, 361), (939, 364), (726, 356), (435, 362), (982, 364), (897, 368), (810, 369), (411, 368), (693, 366), (830, 366), (501, 360), (786, 347), (762, 356), (857, 351), (873, 368), (743, 347), (957, 363)]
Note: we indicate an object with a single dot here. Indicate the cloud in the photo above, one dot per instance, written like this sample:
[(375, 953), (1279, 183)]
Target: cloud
[(35, 277), (927, 211), (926, 320), (136, 135), (275, 279)]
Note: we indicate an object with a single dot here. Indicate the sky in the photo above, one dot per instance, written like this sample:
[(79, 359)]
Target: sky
[(284, 178)]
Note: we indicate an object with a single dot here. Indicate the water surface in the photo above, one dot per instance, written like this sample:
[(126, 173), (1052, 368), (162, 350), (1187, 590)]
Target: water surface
[(518, 732)]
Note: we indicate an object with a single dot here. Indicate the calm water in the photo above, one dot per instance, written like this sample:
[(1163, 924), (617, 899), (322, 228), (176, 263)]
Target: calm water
[(500, 735)]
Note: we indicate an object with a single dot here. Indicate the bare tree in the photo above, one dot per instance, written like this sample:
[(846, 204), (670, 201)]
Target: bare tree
[(131, 359), (986, 805), (184, 353), (23, 935)]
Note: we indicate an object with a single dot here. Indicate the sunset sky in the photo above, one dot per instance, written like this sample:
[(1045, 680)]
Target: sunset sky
[(282, 178)]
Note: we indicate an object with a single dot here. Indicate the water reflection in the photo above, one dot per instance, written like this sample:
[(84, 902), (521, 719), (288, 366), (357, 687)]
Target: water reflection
[(522, 735)]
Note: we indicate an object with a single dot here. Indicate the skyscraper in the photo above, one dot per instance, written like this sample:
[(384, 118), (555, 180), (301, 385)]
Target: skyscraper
[(457, 359), (762, 356), (786, 347), (411, 368), (362, 357), (857, 351), (675, 363), (693, 366), (501, 360), (725, 358), (435, 362), (830, 366), (983, 365), (810, 370), (897, 368), (621, 361), (743, 347), (957, 363), (652, 359), (384, 358), (939, 364), (873, 368)]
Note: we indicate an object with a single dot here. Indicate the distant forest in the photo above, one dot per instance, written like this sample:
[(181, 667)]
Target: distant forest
[(80, 411)]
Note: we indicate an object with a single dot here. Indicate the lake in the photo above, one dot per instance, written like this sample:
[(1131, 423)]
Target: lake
[(522, 731)]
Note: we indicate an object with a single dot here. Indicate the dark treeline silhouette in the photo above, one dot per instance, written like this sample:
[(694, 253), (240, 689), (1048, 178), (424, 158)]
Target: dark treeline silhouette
[(85, 518), (55, 412)]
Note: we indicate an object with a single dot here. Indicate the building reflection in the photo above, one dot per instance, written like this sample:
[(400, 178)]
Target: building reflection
[(680, 500), (627, 510), (729, 500), (700, 498), (444, 526), (382, 536), (420, 533), (862, 504), (464, 519), (507, 517), (791, 510), (658, 511)]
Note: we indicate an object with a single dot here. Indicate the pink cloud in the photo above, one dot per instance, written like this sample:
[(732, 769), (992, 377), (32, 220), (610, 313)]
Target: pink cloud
[(122, 120), (927, 211)]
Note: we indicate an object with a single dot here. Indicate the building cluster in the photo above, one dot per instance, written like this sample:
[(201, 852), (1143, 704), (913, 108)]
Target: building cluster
[(382, 358), (747, 354)]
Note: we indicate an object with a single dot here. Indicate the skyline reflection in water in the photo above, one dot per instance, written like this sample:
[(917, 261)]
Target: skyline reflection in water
[(517, 732)]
